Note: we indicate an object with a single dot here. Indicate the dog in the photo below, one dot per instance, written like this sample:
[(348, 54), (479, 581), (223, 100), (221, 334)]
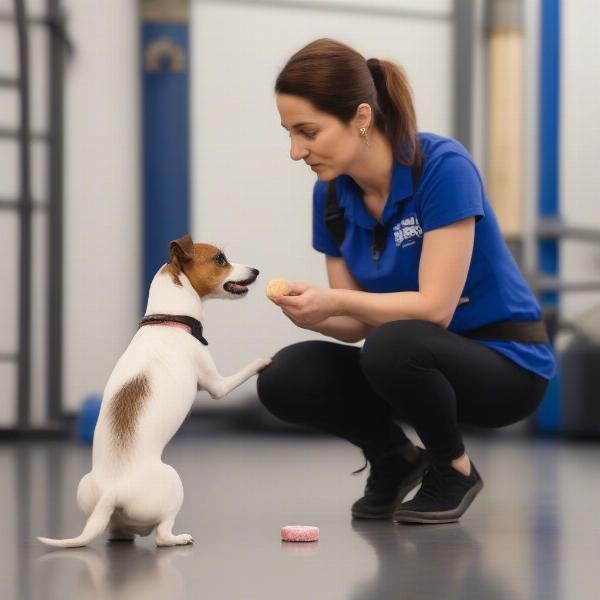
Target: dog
[(129, 490)]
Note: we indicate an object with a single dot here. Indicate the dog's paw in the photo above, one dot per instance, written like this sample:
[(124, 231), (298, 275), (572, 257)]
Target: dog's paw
[(261, 363), (175, 540)]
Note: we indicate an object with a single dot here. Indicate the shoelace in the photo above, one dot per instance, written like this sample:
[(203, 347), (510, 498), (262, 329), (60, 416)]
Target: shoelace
[(367, 462), (362, 468), (377, 474), (376, 480)]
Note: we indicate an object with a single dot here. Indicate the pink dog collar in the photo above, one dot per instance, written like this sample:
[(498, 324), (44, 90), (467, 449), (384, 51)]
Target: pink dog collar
[(172, 324), (189, 323)]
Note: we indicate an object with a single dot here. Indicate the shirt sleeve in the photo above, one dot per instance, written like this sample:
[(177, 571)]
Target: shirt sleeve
[(323, 241), (454, 191)]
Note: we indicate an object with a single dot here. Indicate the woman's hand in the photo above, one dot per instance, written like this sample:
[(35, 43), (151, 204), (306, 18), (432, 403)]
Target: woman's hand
[(307, 305)]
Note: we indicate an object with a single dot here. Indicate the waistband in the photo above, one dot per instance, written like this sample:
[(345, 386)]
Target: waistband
[(526, 332)]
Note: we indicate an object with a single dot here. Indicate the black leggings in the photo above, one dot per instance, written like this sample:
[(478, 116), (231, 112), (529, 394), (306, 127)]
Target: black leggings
[(414, 371)]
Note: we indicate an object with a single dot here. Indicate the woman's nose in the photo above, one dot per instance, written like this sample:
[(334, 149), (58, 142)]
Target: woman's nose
[(297, 151)]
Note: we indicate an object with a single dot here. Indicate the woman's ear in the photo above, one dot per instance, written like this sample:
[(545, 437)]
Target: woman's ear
[(363, 116)]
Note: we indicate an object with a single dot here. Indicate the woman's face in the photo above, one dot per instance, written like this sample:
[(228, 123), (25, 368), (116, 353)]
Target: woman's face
[(321, 140)]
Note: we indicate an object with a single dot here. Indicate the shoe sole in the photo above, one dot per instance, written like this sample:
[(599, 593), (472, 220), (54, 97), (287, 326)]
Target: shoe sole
[(411, 485), (445, 516)]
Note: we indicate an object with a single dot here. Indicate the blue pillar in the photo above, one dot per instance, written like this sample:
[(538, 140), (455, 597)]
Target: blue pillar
[(165, 130), (548, 416)]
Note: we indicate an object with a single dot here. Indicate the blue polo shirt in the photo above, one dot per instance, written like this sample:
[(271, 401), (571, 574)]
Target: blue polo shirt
[(450, 189)]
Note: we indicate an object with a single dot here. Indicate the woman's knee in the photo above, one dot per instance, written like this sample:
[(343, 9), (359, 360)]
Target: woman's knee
[(273, 378), (396, 346), (280, 385)]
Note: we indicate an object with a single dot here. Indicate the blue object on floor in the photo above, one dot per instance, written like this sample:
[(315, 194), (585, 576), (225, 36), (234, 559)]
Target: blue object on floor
[(88, 417)]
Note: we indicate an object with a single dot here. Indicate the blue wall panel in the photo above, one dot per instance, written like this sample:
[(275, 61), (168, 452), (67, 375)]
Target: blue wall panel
[(548, 416), (165, 98)]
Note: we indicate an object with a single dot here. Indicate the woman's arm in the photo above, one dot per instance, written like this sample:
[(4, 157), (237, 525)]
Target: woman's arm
[(343, 328), (443, 270)]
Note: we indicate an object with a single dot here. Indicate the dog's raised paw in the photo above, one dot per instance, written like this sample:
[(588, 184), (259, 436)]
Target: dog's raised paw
[(261, 363), (187, 537)]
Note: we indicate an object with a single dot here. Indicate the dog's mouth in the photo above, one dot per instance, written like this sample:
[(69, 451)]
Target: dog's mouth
[(239, 288)]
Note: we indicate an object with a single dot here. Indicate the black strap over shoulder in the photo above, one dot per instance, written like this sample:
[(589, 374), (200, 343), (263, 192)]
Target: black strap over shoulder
[(334, 215), (336, 223)]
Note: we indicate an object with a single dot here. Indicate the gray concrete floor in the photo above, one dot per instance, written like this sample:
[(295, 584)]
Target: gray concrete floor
[(533, 533)]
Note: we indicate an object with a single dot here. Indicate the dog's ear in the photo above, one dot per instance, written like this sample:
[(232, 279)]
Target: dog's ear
[(182, 249)]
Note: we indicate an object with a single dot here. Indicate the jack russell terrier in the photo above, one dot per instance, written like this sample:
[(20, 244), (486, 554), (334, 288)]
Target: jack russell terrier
[(149, 394)]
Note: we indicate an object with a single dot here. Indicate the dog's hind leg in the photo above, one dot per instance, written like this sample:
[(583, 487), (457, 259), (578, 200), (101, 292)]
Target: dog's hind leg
[(151, 502), (87, 495), (164, 534)]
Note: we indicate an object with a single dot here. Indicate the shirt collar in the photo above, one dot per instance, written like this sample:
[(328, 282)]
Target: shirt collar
[(349, 196)]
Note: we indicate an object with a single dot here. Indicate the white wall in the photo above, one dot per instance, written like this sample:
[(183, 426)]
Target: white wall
[(248, 196), (102, 193), (580, 145)]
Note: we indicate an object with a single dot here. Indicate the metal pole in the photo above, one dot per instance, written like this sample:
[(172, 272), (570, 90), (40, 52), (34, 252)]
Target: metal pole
[(55, 212), (24, 378), (464, 11)]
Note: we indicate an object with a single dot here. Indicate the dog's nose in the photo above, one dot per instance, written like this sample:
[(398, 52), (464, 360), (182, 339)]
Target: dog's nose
[(255, 271)]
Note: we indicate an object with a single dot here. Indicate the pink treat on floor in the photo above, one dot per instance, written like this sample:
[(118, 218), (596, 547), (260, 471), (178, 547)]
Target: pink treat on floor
[(299, 533)]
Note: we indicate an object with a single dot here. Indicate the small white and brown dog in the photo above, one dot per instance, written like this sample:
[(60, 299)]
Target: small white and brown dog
[(150, 392)]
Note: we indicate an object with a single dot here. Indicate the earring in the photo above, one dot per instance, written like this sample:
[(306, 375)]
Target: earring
[(363, 132)]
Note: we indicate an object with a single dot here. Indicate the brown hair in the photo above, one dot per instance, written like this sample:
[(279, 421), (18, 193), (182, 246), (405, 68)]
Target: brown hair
[(336, 79)]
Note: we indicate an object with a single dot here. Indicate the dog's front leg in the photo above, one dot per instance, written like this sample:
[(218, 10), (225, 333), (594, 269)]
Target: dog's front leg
[(218, 386)]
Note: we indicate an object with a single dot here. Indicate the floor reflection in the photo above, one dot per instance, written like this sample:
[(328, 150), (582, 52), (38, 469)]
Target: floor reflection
[(125, 571), (437, 562)]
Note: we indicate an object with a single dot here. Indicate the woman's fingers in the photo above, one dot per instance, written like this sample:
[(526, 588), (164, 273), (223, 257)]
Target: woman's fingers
[(297, 287)]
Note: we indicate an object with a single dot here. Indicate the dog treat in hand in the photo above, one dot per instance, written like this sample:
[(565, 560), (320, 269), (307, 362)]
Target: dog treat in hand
[(299, 533), (277, 287)]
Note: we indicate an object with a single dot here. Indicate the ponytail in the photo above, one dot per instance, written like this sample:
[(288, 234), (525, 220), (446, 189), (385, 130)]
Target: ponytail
[(395, 114)]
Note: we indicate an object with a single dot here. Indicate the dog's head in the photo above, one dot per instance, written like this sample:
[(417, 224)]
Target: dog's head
[(208, 270)]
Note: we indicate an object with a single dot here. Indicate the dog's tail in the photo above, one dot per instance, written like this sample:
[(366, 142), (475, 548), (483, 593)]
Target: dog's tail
[(95, 525)]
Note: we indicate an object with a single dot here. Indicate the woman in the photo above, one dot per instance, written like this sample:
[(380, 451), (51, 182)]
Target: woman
[(417, 268)]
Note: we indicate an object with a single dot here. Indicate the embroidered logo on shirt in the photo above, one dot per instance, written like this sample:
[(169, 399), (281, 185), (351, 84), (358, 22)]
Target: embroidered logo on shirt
[(407, 232)]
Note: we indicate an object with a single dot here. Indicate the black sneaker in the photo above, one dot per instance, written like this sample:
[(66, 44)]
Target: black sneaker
[(444, 496), (390, 479)]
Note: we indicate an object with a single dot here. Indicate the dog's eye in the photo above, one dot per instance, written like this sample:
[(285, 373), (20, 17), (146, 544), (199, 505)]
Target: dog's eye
[(221, 260)]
